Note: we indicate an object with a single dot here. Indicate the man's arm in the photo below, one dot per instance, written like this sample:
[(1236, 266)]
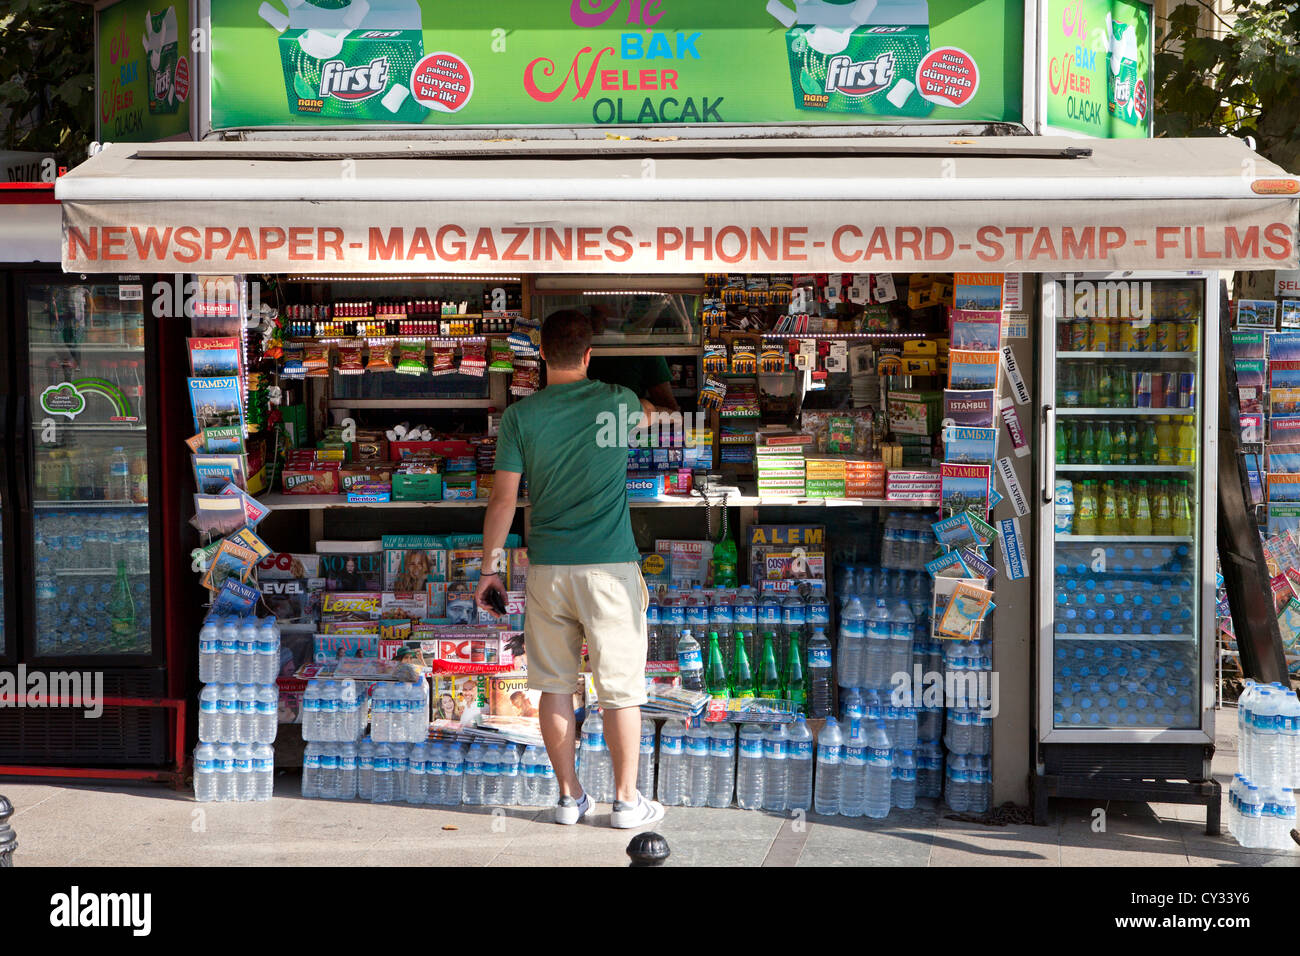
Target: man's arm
[(661, 397), (500, 515)]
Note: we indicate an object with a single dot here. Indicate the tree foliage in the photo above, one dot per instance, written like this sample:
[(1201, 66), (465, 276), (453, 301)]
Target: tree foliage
[(1246, 83), (47, 64)]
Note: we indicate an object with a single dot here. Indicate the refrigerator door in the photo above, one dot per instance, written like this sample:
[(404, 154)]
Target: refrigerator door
[(1127, 535), (87, 416)]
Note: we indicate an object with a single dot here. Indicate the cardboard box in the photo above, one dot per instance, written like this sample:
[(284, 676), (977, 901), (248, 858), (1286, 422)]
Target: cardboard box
[(320, 478)]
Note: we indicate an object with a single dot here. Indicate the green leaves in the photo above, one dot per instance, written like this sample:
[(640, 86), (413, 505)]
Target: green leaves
[(47, 54)]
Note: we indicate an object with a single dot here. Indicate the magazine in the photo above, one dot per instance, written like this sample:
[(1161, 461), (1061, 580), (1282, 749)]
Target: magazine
[(1283, 346), (964, 612), (231, 561), (964, 488), (980, 330), (971, 408), (216, 402), (214, 472), (972, 370), (214, 358), (969, 446), (978, 291)]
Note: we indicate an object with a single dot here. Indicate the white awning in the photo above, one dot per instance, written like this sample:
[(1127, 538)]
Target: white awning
[(1013, 204), (29, 232)]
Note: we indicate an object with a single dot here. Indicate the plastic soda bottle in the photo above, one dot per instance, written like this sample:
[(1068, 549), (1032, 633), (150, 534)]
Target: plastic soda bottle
[(1182, 519), (1085, 516), (1104, 443), (742, 675), (1142, 523), (1088, 446), (715, 674), (769, 675), (795, 688), (1162, 510)]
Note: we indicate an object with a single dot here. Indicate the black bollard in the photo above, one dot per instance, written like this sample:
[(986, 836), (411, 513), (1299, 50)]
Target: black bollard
[(648, 849), (8, 839)]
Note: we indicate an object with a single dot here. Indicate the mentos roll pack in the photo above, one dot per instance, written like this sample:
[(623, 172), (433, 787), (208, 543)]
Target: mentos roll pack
[(856, 56), (350, 59)]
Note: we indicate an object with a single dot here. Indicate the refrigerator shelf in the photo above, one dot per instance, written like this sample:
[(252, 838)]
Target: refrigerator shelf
[(1108, 412), (1063, 636), (96, 348), (1123, 539), (97, 427), (78, 505), (1186, 469), (1126, 355)]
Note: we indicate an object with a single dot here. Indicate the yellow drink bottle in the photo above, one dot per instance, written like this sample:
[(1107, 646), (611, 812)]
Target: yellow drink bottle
[(1141, 511)]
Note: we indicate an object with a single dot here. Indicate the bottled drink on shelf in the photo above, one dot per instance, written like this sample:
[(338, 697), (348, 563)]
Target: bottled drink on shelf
[(689, 661), (750, 768), (645, 767), (715, 673), (769, 674), (672, 767), (794, 687), (830, 747), (775, 767), (698, 767), (799, 765), (722, 759), (742, 674), (819, 679)]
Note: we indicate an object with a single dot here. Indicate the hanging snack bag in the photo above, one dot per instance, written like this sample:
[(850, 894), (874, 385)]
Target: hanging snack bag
[(473, 358), (350, 358), (381, 359), (444, 360), (526, 339), (410, 358), (526, 378), (501, 358)]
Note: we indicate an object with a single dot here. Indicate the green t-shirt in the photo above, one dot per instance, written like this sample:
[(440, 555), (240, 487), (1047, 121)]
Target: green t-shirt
[(637, 372), (571, 441)]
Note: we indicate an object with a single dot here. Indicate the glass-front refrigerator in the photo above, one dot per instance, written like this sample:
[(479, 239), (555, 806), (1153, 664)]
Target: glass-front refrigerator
[(85, 534), (1126, 530)]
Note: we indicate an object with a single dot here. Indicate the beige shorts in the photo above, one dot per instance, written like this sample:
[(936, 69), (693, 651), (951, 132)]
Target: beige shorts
[(604, 604)]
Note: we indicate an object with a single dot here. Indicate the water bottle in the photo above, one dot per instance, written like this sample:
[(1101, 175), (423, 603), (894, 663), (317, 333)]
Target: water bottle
[(957, 785), (491, 775), (799, 765), (793, 620), (697, 767), (1252, 810), (119, 476), (929, 770), (1289, 729), (473, 774), (209, 713), (530, 777), (243, 775), (209, 643), (903, 783), (830, 752), (879, 631), (329, 770), (819, 674), (901, 627), (311, 770), (697, 609), (852, 709), (672, 766), (905, 729), (595, 770), (366, 769), (674, 611), (690, 662), (722, 759), (879, 773), (1264, 745), (383, 787), (227, 713), (853, 774), (417, 774), (750, 767), (653, 620), (722, 620), (510, 779), (853, 636), (345, 770), (744, 613), (769, 619), (775, 768), (263, 771), (1244, 730), (981, 780), (817, 610), (225, 773), (205, 773), (548, 792), (246, 714), (401, 770), (246, 651), (228, 651), (267, 662), (645, 765)]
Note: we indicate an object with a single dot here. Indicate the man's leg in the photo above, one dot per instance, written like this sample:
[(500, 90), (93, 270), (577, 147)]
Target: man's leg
[(623, 737), (559, 733)]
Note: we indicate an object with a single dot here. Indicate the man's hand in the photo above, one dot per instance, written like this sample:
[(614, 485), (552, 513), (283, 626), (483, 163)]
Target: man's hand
[(486, 583)]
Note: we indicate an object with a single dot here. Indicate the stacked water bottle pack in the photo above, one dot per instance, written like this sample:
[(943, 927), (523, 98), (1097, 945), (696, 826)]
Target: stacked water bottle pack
[(1262, 795), (969, 732), (770, 768), (238, 709)]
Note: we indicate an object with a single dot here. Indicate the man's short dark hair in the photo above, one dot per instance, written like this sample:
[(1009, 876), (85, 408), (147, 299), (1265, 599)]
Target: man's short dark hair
[(566, 335)]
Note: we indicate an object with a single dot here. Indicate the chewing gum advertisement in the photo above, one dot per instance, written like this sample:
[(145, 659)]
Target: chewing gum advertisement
[(143, 71), (614, 62), (1099, 63)]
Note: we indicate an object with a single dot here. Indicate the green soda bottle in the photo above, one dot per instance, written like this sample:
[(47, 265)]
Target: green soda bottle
[(121, 605), (724, 564), (1119, 443), (1150, 444), (715, 672), (1119, 387), (1104, 443), (769, 675), (1104, 384), (742, 676), (794, 682), (1062, 443), (1088, 447), (1090, 381)]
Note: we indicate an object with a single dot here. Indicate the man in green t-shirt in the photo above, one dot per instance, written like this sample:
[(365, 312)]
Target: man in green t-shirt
[(647, 376), (584, 577)]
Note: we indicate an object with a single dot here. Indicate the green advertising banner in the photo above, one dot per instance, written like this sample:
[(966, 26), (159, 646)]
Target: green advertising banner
[(1099, 67), (602, 62), (143, 70)]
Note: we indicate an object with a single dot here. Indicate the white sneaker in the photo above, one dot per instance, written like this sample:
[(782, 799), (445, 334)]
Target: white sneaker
[(569, 811), (642, 813)]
